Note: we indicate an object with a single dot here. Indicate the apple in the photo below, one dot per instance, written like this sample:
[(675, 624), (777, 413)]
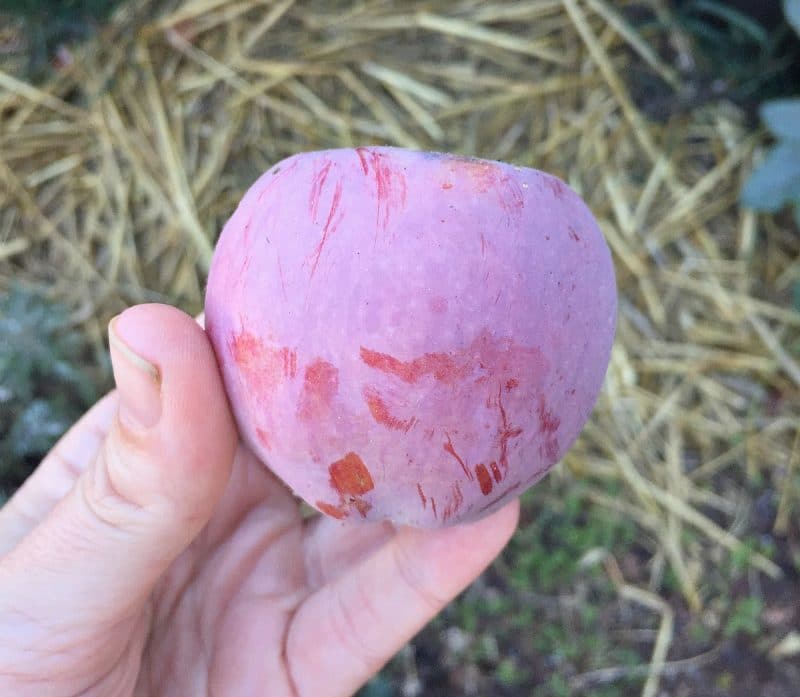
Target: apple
[(409, 336)]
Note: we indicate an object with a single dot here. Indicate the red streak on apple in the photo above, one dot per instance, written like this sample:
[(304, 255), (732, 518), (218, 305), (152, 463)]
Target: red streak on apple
[(263, 366), (338, 512), (390, 183), (484, 479), (448, 447), (380, 411), (263, 438), (422, 496), (320, 385), (351, 476), (440, 365)]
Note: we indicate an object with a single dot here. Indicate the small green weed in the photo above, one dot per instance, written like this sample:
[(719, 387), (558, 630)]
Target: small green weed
[(556, 686), (548, 550), (745, 618), (509, 673)]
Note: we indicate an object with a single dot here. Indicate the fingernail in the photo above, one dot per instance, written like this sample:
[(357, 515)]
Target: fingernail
[(138, 380)]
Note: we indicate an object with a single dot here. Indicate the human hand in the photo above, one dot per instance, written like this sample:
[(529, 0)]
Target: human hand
[(152, 554)]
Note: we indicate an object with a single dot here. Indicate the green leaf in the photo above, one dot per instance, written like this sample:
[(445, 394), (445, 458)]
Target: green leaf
[(776, 181), (791, 9), (782, 117), (745, 618)]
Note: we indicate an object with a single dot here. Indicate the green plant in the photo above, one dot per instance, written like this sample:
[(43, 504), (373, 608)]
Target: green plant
[(776, 182), (508, 672), (745, 618), (547, 552), (556, 686), (43, 389)]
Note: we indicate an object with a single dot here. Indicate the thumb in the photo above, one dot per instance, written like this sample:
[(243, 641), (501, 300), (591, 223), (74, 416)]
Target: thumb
[(153, 486)]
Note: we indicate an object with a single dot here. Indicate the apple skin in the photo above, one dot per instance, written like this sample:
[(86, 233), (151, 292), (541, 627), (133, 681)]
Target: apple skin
[(407, 336)]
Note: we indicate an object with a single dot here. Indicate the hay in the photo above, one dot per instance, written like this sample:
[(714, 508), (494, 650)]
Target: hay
[(117, 175)]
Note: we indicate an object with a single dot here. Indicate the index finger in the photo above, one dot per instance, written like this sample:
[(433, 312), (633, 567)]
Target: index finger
[(351, 627)]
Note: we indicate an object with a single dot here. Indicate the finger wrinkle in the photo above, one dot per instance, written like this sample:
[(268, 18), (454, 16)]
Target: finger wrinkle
[(346, 628), (73, 469), (103, 500), (17, 506), (288, 669), (332, 547), (404, 563)]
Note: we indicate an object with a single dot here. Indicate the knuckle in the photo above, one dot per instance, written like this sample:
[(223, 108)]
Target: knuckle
[(105, 500), (407, 569)]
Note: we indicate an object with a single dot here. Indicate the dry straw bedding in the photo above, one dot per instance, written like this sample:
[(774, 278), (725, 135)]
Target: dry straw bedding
[(117, 174)]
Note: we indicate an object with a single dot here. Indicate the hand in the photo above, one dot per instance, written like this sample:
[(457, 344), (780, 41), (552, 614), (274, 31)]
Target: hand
[(152, 554)]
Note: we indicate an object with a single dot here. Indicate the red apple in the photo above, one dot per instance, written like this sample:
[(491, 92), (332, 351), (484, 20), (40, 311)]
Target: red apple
[(410, 336)]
